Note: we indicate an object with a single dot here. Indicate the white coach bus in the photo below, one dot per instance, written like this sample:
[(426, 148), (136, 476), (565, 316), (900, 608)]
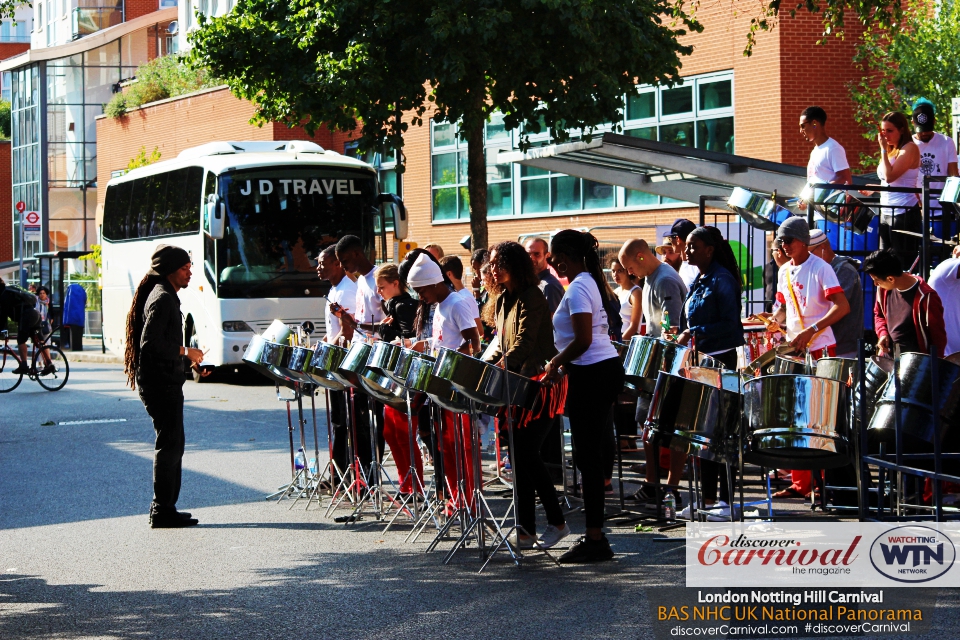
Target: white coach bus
[(253, 216)]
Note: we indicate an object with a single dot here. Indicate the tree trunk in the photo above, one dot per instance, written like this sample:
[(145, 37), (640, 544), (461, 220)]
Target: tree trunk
[(476, 181)]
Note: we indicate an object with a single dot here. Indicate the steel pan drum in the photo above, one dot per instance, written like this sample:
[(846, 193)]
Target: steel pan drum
[(696, 417), (353, 365), (840, 207), (389, 392), (877, 373), (764, 365), (420, 378), (293, 365), (326, 358), (842, 369), (264, 356), (401, 369), (483, 382), (796, 422), (916, 399), (648, 356), (756, 210), (383, 357)]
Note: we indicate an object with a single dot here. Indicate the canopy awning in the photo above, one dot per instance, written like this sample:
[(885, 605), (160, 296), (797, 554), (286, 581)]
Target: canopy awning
[(670, 170)]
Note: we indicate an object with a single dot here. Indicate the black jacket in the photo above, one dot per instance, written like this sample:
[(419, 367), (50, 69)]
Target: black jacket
[(160, 361), (403, 310)]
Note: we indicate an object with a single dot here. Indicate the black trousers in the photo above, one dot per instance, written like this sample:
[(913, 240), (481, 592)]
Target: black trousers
[(906, 246), (710, 470), (338, 421), (164, 404), (532, 476), (360, 407), (593, 390)]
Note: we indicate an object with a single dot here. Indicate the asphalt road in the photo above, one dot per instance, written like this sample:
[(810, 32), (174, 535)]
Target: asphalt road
[(78, 559)]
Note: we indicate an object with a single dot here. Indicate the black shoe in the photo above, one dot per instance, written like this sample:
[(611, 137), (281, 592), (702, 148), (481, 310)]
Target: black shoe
[(185, 515), (646, 495), (171, 521), (587, 550), (22, 370), (47, 370)]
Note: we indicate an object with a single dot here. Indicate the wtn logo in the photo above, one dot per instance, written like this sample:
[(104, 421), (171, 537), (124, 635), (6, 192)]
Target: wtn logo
[(912, 553), (899, 554)]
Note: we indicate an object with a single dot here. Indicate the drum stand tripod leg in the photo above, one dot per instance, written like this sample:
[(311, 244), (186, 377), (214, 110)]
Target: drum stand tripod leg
[(463, 507), (416, 487), (295, 476), (304, 486)]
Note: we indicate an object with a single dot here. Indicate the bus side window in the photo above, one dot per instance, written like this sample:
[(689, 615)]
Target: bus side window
[(209, 244)]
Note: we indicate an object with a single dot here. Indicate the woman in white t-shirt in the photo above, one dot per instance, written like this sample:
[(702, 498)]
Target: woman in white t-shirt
[(595, 376), (899, 167), (630, 295), (454, 328)]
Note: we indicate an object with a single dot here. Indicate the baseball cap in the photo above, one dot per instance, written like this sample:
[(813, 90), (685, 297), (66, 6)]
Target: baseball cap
[(817, 238), (682, 227), (924, 115), (794, 227)]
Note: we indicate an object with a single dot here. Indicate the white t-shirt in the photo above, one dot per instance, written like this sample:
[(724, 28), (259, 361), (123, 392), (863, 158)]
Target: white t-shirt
[(344, 294), (826, 161), (812, 282), (626, 304), (369, 303), (899, 202), (467, 295), (688, 273), (583, 296), (452, 316), (934, 158), (945, 282)]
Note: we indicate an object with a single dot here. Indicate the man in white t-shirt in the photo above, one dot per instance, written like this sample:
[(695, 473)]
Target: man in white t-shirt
[(938, 153), (811, 298), (945, 280), (369, 304), (453, 268), (828, 161)]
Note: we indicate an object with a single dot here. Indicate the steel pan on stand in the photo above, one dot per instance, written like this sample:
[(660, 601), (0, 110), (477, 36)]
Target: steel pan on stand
[(842, 369), (840, 207), (264, 356), (383, 357), (647, 357), (326, 358), (796, 422), (484, 383), (353, 365), (756, 210)]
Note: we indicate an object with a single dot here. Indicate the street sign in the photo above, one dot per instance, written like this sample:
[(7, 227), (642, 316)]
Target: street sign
[(21, 206), (31, 226)]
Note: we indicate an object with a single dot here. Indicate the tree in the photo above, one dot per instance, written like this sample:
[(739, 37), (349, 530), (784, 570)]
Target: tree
[(560, 64), (142, 159), (918, 58)]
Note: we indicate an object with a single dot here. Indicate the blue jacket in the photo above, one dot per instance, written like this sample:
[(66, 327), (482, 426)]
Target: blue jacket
[(712, 310)]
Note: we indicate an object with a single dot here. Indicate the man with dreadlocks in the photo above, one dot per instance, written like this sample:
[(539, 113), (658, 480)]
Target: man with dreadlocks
[(153, 359)]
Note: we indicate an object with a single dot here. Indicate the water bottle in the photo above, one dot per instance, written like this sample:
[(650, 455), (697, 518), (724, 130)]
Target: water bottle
[(300, 460), (313, 466), (670, 506), (665, 323)]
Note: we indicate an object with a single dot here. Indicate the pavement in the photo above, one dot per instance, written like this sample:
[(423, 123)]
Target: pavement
[(78, 559)]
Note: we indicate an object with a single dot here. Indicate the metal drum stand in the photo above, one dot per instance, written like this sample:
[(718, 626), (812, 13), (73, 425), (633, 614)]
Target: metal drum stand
[(331, 472), (434, 504), (300, 479), (353, 482), (462, 508), (416, 483), (314, 478)]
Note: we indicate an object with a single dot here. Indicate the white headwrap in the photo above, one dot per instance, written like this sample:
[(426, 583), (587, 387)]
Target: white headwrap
[(424, 272)]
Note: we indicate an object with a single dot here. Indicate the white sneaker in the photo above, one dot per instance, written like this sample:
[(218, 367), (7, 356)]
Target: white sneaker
[(552, 535), (526, 542)]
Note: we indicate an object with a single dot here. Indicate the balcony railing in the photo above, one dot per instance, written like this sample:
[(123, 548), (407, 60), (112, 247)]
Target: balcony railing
[(87, 20)]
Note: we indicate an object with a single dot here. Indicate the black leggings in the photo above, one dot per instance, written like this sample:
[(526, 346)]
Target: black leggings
[(533, 476), (593, 390), (906, 246), (165, 406), (710, 471)]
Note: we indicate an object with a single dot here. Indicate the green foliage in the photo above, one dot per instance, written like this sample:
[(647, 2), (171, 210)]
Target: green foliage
[(142, 159), (5, 119), (95, 254), (161, 78), (918, 58)]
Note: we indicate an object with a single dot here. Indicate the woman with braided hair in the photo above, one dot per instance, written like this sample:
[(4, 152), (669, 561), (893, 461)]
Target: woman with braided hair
[(594, 374), (153, 359), (712, 313)]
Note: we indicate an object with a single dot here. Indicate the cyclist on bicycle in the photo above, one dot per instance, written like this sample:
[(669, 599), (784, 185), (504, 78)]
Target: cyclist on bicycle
[(19, 305)]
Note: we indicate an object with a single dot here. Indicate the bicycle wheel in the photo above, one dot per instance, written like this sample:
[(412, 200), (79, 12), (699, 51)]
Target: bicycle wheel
[(9, 361), (52, 376)]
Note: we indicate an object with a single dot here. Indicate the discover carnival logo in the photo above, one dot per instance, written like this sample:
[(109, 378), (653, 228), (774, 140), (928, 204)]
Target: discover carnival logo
[(821, 554), (913, 554)]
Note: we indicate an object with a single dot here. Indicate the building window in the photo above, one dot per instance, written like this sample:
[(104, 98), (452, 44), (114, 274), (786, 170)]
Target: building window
[(696, 113), (386, 166)]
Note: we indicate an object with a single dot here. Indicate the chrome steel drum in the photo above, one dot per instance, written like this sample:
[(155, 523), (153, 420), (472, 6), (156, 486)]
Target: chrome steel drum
[(840, 207), (916, 400), (353, 365), (326, 359), (756, 210), (796, 422), (294, 364), (792, 366), (877, 373), (842, 369), (695, 416), (264, 356), (419, 371), (383, 357), (764, 365), (388, 391), (648, 356), (401, 369), (485, 383)]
